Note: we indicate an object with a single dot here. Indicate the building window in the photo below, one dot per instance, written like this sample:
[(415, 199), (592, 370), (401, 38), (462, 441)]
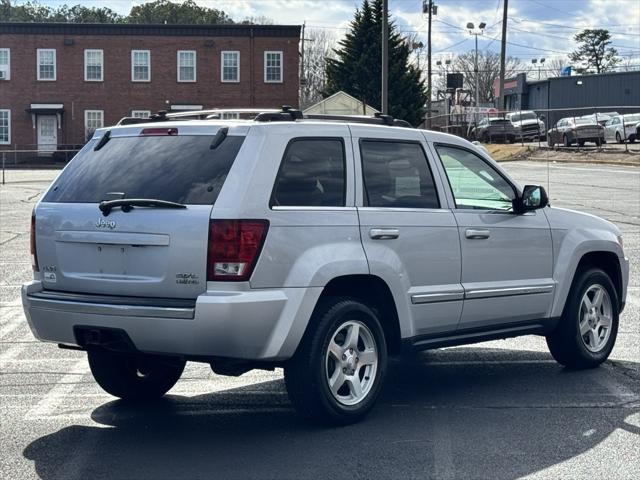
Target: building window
[(186, 66), (273, 67), (140, 66), (230, 115), (5, 127), (46, 64), (5, 64), (93, 65), (230, 67), (93, 119), (140, 113)]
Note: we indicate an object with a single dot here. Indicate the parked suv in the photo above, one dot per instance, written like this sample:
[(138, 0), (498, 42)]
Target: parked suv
[(491, 129), (319, 245)]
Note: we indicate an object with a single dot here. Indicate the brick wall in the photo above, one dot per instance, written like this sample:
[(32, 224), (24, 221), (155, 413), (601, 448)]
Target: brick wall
[(117, 95)]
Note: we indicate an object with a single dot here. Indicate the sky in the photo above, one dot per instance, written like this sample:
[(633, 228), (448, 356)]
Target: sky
[(536, 28)]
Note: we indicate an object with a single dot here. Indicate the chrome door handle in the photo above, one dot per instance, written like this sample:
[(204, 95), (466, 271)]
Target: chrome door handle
[(384, 233), (472, 234)]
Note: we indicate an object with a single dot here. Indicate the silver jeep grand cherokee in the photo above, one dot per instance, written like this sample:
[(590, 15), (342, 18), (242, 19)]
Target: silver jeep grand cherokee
[(320, 245)]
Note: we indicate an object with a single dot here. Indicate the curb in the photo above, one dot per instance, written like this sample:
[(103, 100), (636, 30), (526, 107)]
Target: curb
[(621, 163)]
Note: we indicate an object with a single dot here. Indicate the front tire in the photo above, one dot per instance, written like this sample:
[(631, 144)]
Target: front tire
[(134, 377), (619, 137), (565, 140), (588, 328), (338, 370)]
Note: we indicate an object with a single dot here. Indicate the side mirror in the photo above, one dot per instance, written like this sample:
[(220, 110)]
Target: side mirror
[(533, 197), (542, 117)]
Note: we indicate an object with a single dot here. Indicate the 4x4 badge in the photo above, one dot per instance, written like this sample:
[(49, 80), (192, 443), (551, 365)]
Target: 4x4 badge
[(102, 223)]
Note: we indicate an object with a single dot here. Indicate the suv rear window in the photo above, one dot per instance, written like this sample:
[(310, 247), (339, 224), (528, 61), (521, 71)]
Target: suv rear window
[(182, 168)]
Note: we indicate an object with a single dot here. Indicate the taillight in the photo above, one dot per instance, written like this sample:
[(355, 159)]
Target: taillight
[(234, 247), (32, 242)]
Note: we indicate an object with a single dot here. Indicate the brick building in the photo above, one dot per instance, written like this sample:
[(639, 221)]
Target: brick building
[(58, 82)]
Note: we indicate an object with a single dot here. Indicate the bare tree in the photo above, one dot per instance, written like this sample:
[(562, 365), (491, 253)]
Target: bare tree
[(318, 46), (488, 71), (554, 66)]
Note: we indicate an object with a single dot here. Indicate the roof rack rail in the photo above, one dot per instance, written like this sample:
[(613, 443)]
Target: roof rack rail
[(218, 111), (284, 114), (378, 119), (287, 114)]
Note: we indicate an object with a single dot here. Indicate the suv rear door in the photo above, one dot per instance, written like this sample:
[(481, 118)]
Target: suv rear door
[(137, 251), (410, 241)]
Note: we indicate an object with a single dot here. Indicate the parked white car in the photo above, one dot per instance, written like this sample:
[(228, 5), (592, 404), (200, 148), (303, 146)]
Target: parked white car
[(622, 127), (319, 244)]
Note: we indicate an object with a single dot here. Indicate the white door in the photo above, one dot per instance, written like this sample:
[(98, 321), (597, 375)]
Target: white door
[(47, 133)]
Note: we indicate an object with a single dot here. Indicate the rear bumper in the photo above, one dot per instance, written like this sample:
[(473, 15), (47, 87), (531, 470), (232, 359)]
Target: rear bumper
[(265, 324)]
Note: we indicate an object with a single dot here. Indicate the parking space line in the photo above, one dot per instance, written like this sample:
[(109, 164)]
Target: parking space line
[(54, 397)]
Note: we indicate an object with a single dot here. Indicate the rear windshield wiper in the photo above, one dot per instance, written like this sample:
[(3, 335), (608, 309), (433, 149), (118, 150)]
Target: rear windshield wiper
[(128, 203)]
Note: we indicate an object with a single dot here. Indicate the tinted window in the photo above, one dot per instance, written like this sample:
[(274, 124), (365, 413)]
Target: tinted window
[(311, 174), (475, 184), (396, 174), (180, 169)]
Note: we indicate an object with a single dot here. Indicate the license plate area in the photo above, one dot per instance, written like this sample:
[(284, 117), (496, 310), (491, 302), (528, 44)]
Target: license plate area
[(111, 259)]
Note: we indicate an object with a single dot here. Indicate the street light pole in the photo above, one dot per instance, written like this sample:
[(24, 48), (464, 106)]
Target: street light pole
[(476, 71)]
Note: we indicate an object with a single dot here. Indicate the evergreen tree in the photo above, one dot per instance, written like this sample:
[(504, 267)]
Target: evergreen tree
[(594, 52), (357, 70)]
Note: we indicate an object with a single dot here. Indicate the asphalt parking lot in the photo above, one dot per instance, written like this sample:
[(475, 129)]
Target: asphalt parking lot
[(495, 410)]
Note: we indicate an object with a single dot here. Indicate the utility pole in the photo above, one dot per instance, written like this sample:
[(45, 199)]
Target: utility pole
[(302, 80), (430, 11), (503, 52), (385, 57)]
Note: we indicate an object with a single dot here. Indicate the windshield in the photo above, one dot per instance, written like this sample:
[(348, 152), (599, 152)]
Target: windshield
[(585, 121), (176, 168), (528, 116), (632, 118)]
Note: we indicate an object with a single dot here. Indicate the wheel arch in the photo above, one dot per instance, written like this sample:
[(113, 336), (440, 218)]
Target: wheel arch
[(375, 293), (607, 261)]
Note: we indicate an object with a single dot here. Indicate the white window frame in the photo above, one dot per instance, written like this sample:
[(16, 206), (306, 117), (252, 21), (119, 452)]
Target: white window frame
[(86, 119), (8, 67), (94, 50), (237, 53), (141, 113), (148, 52), (8, 141), (55, 64), (195, 66), (230, 116), (279, 52)]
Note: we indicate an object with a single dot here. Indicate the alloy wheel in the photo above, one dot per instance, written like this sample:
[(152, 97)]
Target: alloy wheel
[(351, 362), (595, 318)]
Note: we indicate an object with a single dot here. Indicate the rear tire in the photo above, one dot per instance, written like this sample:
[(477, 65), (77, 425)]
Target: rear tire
[(588, 328), (338, 370), (134, 377), (618, 138), (550, 142)]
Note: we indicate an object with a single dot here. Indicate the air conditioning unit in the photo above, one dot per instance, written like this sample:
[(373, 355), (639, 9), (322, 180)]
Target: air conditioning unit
[(3, 75)]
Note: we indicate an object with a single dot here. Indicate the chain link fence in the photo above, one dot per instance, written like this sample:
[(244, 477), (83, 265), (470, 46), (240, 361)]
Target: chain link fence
[(591, 128)]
